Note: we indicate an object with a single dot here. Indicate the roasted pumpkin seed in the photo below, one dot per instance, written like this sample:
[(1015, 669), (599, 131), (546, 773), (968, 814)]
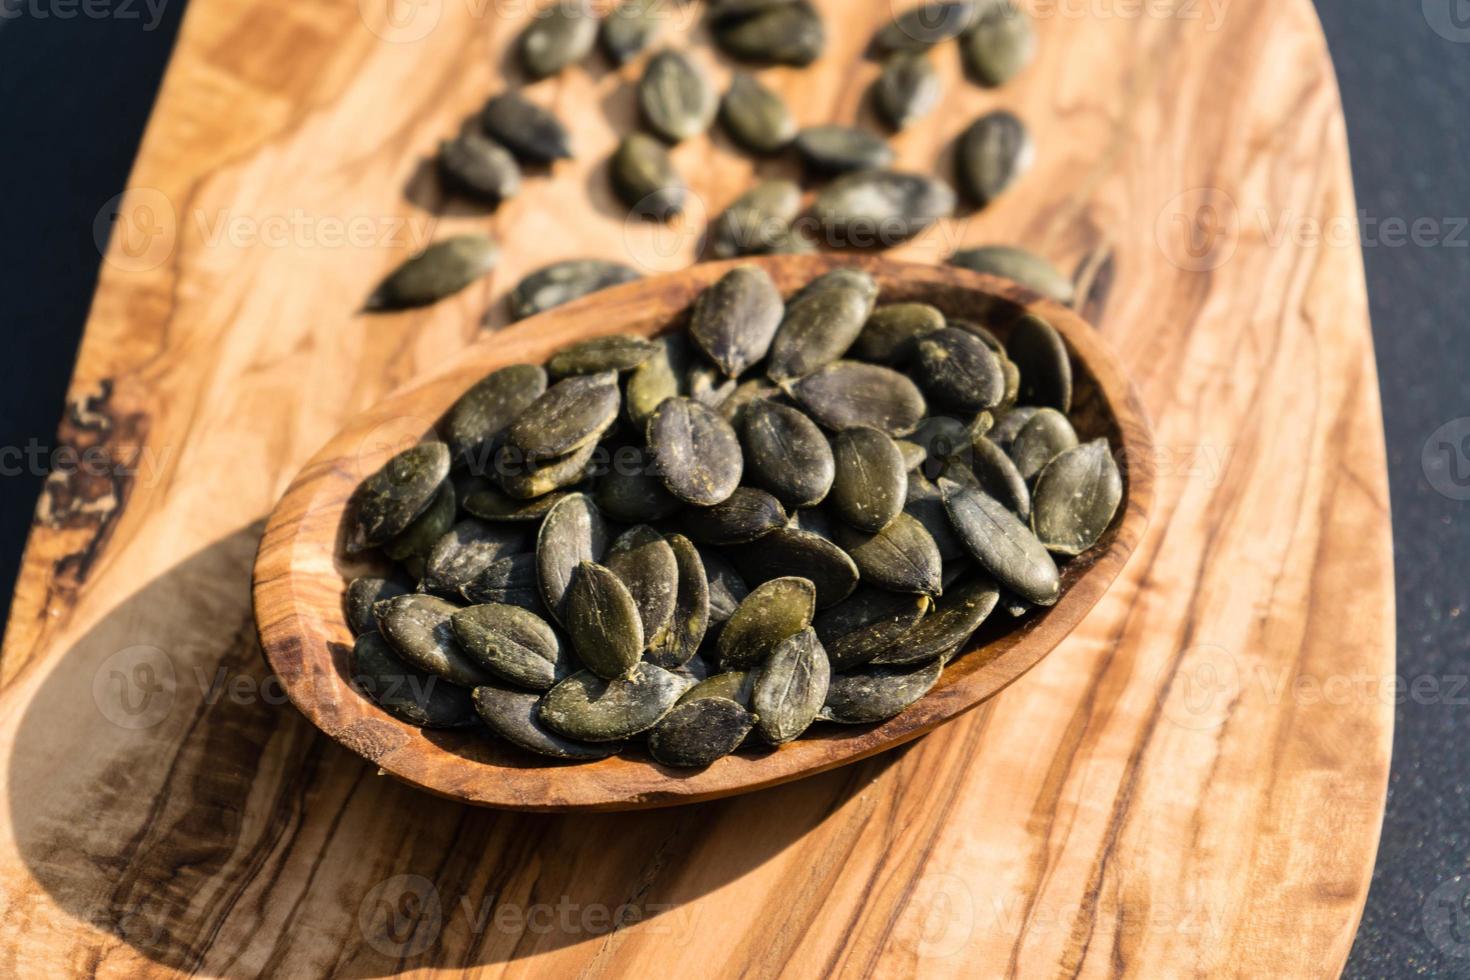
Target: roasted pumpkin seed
[(525, 477), (613, 352), (880, 208), (389, 500), (959, 370), (744, 516), (477, 166), (786, 453), (572, 533), (902, 557), (1043, 438), (848, 393), (362, 594), (630, 27), (727, 589), (871, 479), (891, 332), (819, 327), (1001, 543), (645, 180), (998, 476), (603, 622), (405, 692), (476, 423), (783, 34), (1000, 44), (510, 580), (530, 132), (655, 379), (419, 538), (595, 709), (513, 644), (442, 269), (696, 733), (838, 149), (907, 90), (561, 282), (758, 222), (735, 320), (419, 629), (791, 552), (493, 504), (867, 624), (1009, 425), (558, 36), (992, 154), (1077, 495), (790, 687), (873, 694), (1041, 357), (1018, 265), (567, 416), (733, 685), (514, 715), (467, 549), (773, 611), (681, 641), (920, 28), (632, 492), (645, 562), (675, 98), (955, 618), (695, 451), (755, 116)]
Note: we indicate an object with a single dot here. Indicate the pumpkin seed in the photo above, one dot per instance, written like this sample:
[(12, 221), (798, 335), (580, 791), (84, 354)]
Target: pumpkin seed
[(1018, 265), (595, 709), (786, 453), (479, 167), (514, 715), (404, 692), (724, 12), (790, 687), (696, 733), (419, 538), (773, 611), (513, 644), (734, 320), (493, 504), (738, 400), (993, 153), (1012, 383), (644, 178), (1041, 357), (818, 328), (868, 623), (695, 451), (681, 641), (572, 533), (603, 622), (1076, 496), (442, 269), (362, 594), (944, 439), (525, 476), (839, 149), (675, 98), (913, 453), (733, 685), (849, 393), (709, 386), (561, 282), (871, 479), (791, 552), (907, 90), (755, 116), (558, 36), (629, 28), (655, 379), (530, 132), (646, 563), (880, 208), (613, 352), (956, 617), (509, 581), (744, 516), (817, 520), (726, 588), (998, 476), (959, 370), (695, 671), (419, 629), (784, 34), (476, 423), (873, 694), (467, 549), (902, 557), (924, 26), (891, 332), (758, 222), (1043, 438), (1001, 543), (632, 492), (1010, 424), (389, 500), (1001, 43), (569, 415)]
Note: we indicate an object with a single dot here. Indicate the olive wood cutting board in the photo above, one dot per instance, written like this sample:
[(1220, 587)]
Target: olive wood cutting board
[(1190, 785)]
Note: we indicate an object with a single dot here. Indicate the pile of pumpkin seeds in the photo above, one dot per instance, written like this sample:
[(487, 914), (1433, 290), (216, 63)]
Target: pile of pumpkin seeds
[(795, 511), (862, 203)]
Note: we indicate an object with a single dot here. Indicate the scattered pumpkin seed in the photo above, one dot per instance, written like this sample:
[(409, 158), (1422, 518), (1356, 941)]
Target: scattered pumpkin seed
[(514, 715), (907, 90), (558, 36), (880, 208), (675, 98), (603, 622), (873, 694), (1001, 543), (755, 116), (530, 132), (819, 327), (838, 149), (735, 320), (790, 687), (630, 27), (783, 34), (1000, 44), (1077, 495), (476, 166), (644, 178), (1018, 265), (920, 28), (758, 222), (993, 153), (442, 269), (562, 282), (696, 733)]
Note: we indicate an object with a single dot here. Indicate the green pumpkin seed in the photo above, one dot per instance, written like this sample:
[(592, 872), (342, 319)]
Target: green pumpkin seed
[(998, 476), (513, 644), (561, 282), (786, 453), (891, 332), (631, 491), (913, 453), (526, 477), (530, 132), (1012, 383), (868, 623), (558, 36), (493, 504), (696, 733), (725, 12), (790, 687), (956, 617), (710, 387), (984, 333), (1018, 265), (959, 370), (755, 116), (419, 629), (613, 352), (645, 180), (772, 612), (1001, 543), (419, 538), (1000, 44), (993, 153), (733, 685), (442, 269), (691, 618), (794, 553), (570, 414), (1076, 497), (849, 393), (477, 166), (1046, 436), (871, 479), (1041, 357), (758, 222), (362, 594), (873, 694), (907, 90), (1010, 424), (675, 98), (603, 622), (514, 715), (694, 671), (839, 149), (476, 423), (734, 320), (595, 709), (922, 27), (737, 401), (467, 549), (404, 692), (655, 379), (818, 328), (646, 563), (880, 208), (785, 34), (744, 516), (630, 27), (817, 520), (695, 451), (573, 533), (510, 581), (727, 589), (389, 500), (902, 557)]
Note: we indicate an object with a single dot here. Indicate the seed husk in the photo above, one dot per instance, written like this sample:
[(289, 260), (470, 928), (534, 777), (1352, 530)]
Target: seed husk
[(727, 589), (513, 644), (569, 415), (681, 641), (786, 453), (993, 153), (907, 90), (695, 451), (675, 98), (629, 28), (655, 379), (1041, 356), (873, 694), (959, 370), (389, 500), (1002, 545), (819, 327), (734, 685), (442, 269), (530, 132), (772, 612), (755, 116), (1076, 497), (526, 477), (880, 208), (790, 687), (954, 619), (744, 516), (902, 557), (405, 692), (892, 331), (509, 581), (644, 178), (493, 504), (796, 553), (631, 492), (419, 629), (514, 715), (1009, 425), (696, 733), (467, 549), (558, 36), (923, 26), (646, 563), (362, 594), (998, 476), (613, 352), (734, 321), (839, 149), (603, 622), (573, 533), (595, 709), (868, 623), (562, 282), (476, 166), (784, 34), (1018, 265), (419, 538), (1042, 439), (848, 393), (1000, 44), (758, 222), (871, 479), (475, 425)]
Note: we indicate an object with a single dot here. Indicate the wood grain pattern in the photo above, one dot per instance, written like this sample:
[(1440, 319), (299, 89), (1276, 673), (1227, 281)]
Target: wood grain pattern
[(301, 572), (1191, 785)]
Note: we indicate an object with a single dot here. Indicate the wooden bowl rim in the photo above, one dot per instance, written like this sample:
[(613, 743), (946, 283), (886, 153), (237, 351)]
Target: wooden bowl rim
[(305, 638)]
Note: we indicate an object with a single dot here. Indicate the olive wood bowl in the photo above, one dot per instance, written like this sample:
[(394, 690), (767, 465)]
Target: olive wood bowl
[(301, 569)]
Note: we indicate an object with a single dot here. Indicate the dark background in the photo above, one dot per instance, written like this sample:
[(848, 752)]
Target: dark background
[(75, 94)]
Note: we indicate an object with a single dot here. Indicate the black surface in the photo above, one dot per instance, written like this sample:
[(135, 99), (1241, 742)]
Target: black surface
[(75, 93)]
